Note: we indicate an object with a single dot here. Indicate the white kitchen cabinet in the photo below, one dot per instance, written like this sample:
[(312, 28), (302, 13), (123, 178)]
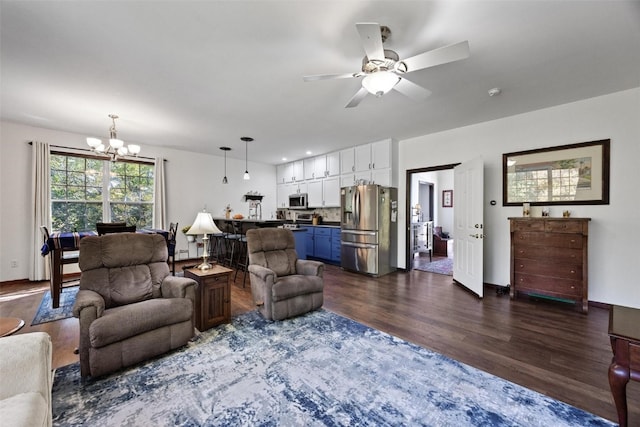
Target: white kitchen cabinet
[(284, 173), (297, 170), (347, 161), (362, 158), (331, 192), (315, 167), (309, 168), (347, 180), (320, 166), (324, 193), (333, 164), (382, 177), (314, 193), (381, 154), (282, 195)]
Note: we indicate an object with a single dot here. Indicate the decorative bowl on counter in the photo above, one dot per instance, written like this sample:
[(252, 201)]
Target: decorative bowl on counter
[(238, 216)]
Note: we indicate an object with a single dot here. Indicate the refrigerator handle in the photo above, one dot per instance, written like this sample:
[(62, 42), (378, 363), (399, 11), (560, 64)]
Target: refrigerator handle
[(356, 206), (359, 245)]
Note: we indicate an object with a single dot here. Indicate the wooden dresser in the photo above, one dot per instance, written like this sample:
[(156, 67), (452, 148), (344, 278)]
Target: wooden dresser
[(549, 258)]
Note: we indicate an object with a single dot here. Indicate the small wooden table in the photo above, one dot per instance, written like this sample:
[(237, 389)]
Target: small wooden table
[(213, 296), (624, 332), (9, 325)]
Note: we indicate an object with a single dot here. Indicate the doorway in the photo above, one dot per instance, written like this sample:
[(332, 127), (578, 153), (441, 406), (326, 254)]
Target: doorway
[(424, 189)]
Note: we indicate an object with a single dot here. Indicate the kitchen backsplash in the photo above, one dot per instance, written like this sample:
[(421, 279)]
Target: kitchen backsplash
[(327, 214)]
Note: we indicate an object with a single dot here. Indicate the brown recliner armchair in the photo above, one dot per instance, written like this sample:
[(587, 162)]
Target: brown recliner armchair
[(282, 285), (129, 306)]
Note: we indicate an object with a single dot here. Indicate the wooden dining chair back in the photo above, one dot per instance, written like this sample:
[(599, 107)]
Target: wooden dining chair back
[(66, 257), (114, 227), (171, 246)]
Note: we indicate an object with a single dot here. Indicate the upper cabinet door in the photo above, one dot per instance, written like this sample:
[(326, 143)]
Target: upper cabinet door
[(281, 174), (381, 154), (363, 157), (309, 168), (333, 164), (298, 170), (347, 161), (320, 166)]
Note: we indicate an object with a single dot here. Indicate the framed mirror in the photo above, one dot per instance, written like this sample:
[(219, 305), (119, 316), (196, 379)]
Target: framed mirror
[(575, 174)]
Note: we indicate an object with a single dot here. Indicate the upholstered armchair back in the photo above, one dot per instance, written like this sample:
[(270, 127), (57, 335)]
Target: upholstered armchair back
[(123, 268), (273, 248)]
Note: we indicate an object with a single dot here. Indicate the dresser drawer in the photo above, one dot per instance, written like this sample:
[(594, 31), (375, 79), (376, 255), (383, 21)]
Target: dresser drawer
[(554, 254), (557, 240), (563, 226), (527, 225), (545, 268), (552, 286)]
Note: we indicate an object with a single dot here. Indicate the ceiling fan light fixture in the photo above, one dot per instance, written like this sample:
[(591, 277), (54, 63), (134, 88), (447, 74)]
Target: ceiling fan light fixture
[(380, 82)]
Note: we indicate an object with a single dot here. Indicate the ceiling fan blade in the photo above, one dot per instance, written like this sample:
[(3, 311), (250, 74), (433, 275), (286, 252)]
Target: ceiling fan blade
[(412, 90), (359, 96), (453, 52), (371, 40), (330, 76)]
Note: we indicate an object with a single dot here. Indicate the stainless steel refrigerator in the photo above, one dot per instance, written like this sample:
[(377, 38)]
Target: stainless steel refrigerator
[(369, 229)]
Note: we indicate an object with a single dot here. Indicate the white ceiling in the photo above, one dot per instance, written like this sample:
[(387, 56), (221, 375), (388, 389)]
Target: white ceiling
[(197, 75)]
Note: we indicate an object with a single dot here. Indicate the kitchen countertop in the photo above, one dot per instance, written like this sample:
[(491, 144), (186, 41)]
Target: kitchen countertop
[(261, 221)]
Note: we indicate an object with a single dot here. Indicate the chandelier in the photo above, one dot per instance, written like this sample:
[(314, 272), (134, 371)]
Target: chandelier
[(116, 146)]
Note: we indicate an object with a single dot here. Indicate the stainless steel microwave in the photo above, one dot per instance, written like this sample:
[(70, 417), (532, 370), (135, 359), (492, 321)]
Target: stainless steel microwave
[(298, 201)]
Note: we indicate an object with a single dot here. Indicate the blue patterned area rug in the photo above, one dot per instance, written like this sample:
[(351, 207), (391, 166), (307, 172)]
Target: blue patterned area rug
[(320, 369), (47, 314)]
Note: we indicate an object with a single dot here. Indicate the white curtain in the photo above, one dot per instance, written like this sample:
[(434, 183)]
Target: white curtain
[(41, 196), (160, 196)]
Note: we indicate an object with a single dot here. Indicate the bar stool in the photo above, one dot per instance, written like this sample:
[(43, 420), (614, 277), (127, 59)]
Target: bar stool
[(243, 253), (231, 238)]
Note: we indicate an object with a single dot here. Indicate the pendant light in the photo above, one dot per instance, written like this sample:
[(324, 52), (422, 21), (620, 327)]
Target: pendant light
[(246, 140), (225, 149)]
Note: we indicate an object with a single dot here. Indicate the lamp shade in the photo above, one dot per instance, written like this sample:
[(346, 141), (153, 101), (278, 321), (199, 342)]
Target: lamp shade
[(204, 224), (380, 82)]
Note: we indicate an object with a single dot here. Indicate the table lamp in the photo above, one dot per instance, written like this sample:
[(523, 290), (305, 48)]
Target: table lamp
[(204, 225)]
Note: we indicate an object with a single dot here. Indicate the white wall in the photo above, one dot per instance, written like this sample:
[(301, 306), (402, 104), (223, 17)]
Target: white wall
[(193, 181), (614, 231)]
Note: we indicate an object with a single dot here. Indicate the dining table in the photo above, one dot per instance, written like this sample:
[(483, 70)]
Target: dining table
[(66, 241)]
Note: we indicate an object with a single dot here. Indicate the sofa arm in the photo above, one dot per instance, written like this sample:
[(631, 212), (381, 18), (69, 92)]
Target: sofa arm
[(262, 280), (87, 299), (309, 268), (25, 366), (177, 287)]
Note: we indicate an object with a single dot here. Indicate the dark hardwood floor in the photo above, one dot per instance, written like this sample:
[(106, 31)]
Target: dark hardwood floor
[(541, 345)]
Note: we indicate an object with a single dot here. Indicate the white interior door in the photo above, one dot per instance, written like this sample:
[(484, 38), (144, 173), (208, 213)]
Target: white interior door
[(468, 217)]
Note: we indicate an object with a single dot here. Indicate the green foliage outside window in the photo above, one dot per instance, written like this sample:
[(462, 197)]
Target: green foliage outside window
[(79, 192)]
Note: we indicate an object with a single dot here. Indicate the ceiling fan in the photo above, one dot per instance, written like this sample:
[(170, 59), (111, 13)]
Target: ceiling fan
[(383, 70)]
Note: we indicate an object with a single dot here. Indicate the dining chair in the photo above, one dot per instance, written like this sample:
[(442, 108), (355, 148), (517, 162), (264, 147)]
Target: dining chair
[(67, 257), (171, 246), (114, 227)]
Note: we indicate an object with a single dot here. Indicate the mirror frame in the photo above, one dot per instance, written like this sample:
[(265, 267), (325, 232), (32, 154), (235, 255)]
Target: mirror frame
[(598, 151)]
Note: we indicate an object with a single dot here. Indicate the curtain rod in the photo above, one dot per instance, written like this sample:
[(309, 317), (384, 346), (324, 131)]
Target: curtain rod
[(93, 152)]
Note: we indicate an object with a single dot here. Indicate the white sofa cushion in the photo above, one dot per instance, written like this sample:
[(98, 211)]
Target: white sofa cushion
[(24, 409)]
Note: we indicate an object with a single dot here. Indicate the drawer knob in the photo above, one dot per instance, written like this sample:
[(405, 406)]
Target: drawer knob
[(573, 272), (521, 266), (521, 280), (573, 240)]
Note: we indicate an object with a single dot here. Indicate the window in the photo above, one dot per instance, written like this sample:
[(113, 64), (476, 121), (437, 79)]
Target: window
[(86, 190)]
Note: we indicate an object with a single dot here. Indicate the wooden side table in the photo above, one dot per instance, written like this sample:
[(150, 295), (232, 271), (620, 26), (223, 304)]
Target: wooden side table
[(213, 296), (9, 325), (624, 332)]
